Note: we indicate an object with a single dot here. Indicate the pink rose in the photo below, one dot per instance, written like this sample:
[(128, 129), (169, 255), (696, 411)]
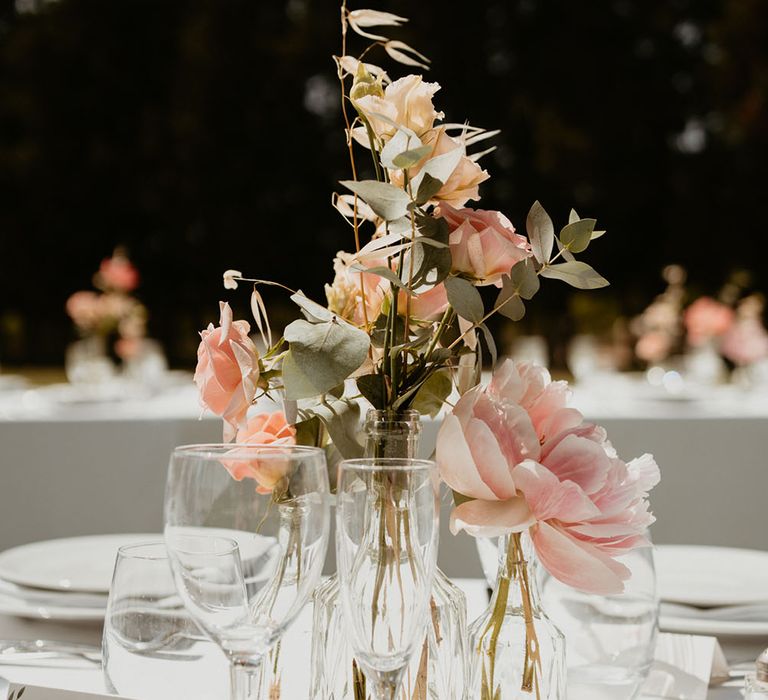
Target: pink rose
[(227, 370), (264, 429), (118, 273), (654, 346), (351, 287), (483, 243), (746, 342), (427, 305), (85, 309), (707, 318), (528, 462)]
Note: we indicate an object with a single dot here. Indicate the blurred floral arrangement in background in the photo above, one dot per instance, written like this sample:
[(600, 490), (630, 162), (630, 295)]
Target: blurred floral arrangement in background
[(111, 311)]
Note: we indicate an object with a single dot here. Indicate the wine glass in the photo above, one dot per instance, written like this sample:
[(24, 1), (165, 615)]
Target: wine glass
[(386, 548), (246, 528)]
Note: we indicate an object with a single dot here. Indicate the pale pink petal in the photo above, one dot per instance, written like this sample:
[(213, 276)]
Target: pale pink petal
[(579, 460), (454, 459), (645, 472), (225, 320), (490, 463), (491, 518), (577, 564), (512, 427)]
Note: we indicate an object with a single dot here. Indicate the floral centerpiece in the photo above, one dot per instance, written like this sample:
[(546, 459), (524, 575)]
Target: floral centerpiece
[(403, 327)]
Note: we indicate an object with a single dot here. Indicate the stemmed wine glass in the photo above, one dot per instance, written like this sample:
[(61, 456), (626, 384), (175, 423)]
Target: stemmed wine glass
[(386, 544), (246, 527)]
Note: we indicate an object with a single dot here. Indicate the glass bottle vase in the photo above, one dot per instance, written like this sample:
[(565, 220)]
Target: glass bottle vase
[(440, 670), (517, 652)]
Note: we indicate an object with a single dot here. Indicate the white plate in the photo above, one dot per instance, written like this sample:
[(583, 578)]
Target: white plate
[(10, 605), (687, 625), (69, 564), (711, 576)]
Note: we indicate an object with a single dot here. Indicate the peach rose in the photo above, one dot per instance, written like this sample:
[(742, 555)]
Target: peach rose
[(227, 370), (85, 310), (406, 102), (264, 429), (483, 243), (528, 462), (345, 295)]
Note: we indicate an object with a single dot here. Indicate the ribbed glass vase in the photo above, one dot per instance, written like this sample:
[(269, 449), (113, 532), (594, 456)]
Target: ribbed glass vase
[(517, 652), (440, 671)]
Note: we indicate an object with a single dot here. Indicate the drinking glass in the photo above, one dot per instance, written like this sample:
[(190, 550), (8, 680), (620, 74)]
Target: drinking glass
[(246, 528), (610, 640), (386, 548), (151, 647)]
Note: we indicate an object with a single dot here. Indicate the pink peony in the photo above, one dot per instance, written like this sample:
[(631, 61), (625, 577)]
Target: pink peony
[(746, 342), (483, 243), (527, 461), (227, 370), (707, 318), (118, 273), (264, 429)]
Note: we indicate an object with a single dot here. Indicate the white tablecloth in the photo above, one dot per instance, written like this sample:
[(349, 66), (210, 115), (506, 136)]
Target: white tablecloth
[(80, 469), (90, 679)]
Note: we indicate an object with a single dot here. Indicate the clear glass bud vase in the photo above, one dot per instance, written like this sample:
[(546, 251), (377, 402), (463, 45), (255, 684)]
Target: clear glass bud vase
[(517, 652), (440, 671)]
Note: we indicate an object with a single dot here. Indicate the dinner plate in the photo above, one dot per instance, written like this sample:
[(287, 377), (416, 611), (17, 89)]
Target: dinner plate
[(688, 625), (10, 605), (711, 576), (68, 564)]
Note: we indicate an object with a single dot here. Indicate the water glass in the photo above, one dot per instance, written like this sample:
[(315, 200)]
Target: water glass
[(151, 647), (386, 549), (610, 640)]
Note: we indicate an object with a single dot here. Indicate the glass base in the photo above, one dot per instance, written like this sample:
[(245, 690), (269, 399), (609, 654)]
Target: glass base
[(336, 676)]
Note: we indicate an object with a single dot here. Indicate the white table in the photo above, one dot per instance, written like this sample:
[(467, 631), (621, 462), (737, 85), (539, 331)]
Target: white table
[(90, 679)]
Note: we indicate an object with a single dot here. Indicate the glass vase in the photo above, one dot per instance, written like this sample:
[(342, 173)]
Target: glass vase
[(440, 670), (517, 652)]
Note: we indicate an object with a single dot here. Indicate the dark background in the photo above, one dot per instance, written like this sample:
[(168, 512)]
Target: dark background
[(206, 134)]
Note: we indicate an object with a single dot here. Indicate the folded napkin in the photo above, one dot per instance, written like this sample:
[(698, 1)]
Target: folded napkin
[(21, 691), (684, 666)]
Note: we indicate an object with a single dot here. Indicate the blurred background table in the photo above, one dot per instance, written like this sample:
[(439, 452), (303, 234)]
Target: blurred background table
[(78, 467)]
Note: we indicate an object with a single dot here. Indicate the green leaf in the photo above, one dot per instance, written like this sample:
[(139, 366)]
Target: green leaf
[(387, 201), (321, 356), (573, 216), (311, 309), (465, 299), (308, 432), (576, 235), (371, 386), (440, 167), (428, 187), (384, 272), (407, 159), (508, 302), (524, 279), (433, 392), (541, 232), (342, 421), (431, 264), (577, 274), (597, 234), (433, 228), (490, 342), (459, 498)]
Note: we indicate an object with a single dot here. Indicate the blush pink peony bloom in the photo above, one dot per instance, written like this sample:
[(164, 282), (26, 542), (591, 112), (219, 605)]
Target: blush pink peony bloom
[(746, 342), (483, 243), (227, 370), (264, 429), (528, 462), (707, 318)]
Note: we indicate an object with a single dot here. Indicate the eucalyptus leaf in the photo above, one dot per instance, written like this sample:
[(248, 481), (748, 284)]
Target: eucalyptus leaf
[(407, 159), (541, 232), (432, 265), (384, 272), (490, 342), (465, 299), (524, 279), (433, 228), (308, 432), (431, 397), (597, 234), (576, 273), (573, 216), (509, 302), (576, 235), (429, 186), (321, 356), (400, 141), (342, 421), (387, 201), (371, 386), (311, 309), (440, 167)]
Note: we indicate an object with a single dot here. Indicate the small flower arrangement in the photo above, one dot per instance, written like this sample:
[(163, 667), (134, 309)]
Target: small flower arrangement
[(112, 310)]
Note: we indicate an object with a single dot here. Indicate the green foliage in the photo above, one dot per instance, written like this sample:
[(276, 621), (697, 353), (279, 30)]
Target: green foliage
[(321, 356), (576, 235), (371, 386), (431, 397), (541, 232), (465, 299), (342, 421), (387, 201), (577, 274)]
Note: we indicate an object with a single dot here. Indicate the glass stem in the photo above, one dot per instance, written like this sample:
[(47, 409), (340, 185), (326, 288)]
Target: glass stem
[(244, 680), (387, 684)]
